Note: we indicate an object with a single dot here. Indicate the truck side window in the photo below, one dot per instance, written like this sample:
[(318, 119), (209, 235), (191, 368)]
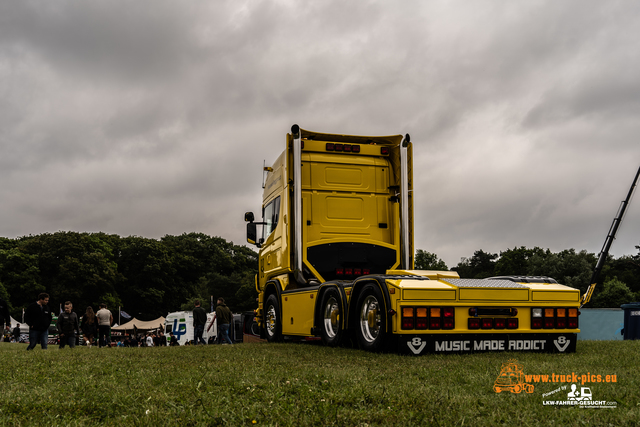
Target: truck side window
[(270, 215)]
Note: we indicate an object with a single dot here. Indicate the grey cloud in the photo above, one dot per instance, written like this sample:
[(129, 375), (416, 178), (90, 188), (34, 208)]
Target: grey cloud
[(153, 118)]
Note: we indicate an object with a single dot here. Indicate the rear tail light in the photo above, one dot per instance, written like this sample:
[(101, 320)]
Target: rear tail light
[(422, 320), (351, 272), (448, 321), (479, 320), (345, 148), (428, 318), (486, 323), (407, 318), (435, 323), (572, 320), (384, 150), (554, 318)]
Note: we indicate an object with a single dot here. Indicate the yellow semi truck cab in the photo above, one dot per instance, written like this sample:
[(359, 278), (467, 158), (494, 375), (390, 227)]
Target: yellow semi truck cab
[(336, 261)]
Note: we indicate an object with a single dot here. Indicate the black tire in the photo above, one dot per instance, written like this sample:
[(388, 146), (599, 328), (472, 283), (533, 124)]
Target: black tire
[(331, 318), (272, 322), (371, 319)]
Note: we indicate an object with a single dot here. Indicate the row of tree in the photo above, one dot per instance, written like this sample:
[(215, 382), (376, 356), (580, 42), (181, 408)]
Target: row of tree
[(619, 281), (148, 278)]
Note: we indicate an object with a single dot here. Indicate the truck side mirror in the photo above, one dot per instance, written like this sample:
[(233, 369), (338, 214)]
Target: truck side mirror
[(251, 233), (248, 216)]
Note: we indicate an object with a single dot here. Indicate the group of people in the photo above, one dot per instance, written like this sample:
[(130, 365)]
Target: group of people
[(6, 321), (151, 339), (38, 316), (94, 325)]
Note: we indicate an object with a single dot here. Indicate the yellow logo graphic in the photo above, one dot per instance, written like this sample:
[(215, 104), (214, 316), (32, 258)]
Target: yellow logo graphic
[(511, 378)]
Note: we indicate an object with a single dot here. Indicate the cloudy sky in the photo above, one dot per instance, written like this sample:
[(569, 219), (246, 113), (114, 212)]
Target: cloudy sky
[(154, 117)]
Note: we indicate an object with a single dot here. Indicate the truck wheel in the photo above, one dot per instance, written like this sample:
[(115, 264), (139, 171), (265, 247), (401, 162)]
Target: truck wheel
[(371, 320), (331, 322), (273, 326)]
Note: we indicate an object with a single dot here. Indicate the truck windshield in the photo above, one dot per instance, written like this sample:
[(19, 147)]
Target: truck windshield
[(270, 215)]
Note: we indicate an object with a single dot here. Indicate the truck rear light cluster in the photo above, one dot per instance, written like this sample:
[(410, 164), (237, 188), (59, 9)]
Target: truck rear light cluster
[(352, 272), (492, 323), (427, 318), (554, 318), (348, 148)]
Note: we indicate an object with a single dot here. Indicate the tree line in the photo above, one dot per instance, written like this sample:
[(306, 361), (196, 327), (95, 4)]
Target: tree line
[(146, 277), (619, 280), (149, 278)]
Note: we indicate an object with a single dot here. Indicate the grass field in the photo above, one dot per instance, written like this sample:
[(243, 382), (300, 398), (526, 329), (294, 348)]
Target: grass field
[(304, 384)]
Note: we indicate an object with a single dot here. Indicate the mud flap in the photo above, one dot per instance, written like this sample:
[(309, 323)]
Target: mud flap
[(470, 343)]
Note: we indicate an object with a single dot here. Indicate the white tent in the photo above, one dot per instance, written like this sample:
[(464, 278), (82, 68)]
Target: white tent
[(24, 328), (140, 325)]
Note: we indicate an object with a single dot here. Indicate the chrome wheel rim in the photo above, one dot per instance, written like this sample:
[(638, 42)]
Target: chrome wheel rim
[(331, 317), (271, 321), (368, 312)]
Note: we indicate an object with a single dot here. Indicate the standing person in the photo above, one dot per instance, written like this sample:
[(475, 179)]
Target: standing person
[(89, 326), (225, 318), (199, 320), (162, 339), (4, 312), (68, 326), (149, 340), (38, 317), (105, 319), (173, 340), (16, 333)]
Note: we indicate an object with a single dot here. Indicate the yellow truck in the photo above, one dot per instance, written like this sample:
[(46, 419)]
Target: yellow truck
[(336, 261)]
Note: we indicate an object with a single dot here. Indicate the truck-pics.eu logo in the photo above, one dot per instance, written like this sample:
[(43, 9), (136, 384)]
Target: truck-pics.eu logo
[(512, 378)]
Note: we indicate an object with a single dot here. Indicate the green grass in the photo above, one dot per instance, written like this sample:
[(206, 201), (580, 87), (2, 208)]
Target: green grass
[(302, 384)]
